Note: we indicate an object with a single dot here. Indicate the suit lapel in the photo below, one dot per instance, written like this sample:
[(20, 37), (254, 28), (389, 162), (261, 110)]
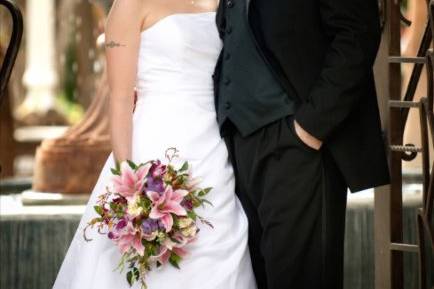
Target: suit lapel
[(248, 2)]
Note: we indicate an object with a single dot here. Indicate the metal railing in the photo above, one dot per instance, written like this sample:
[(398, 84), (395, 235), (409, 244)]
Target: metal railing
[(13, 47), (389, 266)]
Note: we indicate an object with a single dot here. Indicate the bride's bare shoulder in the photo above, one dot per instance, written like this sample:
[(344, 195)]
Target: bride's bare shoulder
[(125, 13)]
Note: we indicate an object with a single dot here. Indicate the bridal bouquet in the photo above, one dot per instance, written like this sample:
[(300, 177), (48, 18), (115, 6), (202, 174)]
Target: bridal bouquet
[(149, 213)]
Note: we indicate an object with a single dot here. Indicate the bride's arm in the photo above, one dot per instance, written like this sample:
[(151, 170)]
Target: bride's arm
[(122, 40)]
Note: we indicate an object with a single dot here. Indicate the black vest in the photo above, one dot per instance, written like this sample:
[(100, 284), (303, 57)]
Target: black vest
[(248, 93)]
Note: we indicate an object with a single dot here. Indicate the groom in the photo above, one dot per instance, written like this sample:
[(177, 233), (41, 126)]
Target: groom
[(296, 103)]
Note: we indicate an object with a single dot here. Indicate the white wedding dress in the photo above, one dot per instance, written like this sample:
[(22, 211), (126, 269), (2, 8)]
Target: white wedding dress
[(175, 108)]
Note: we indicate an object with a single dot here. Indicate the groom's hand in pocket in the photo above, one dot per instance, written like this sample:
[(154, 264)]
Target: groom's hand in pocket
[(306, 137)]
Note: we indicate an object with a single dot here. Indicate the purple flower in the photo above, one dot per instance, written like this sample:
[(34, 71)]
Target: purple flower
[(155, 184), (149, 226), (160, 225)]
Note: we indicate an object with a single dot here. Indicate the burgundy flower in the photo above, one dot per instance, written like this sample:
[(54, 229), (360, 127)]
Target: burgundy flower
[(120, 200), (187, 204), (122, 223), (157, 169)]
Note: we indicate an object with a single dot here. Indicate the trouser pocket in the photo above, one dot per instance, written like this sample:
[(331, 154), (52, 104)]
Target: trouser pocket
[(289, 122)]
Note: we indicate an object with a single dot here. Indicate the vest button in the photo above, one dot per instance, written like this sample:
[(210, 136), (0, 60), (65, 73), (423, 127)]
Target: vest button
[(227, 81), (228, 105), (230, 3), (229, 30), (227, 56)]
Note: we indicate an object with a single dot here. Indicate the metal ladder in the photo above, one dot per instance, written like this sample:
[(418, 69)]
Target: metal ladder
[(398, 111)]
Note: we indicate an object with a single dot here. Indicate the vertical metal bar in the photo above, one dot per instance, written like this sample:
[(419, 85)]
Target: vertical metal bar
[(388, 199), (417, 69), (422, 250), (396, 138), (429, 206), (425, 147)]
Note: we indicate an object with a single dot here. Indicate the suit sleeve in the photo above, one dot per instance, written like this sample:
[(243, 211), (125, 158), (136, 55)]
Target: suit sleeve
[(352, 27)]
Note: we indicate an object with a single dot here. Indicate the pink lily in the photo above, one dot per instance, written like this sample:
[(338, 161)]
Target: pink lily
[(130, 238), (130, 182), (166, 250), (165, 255), (166, 204)]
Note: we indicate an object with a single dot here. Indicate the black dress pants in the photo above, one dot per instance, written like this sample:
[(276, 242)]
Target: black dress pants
[(295, 200)]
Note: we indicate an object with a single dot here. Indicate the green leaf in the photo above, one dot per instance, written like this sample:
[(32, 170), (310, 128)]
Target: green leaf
[(113, 207), (117, 169), (175, 220), (196, 202), (192, 215), (130, 278), (204, 192), (207, 190), (181, 179), (184, 167), (174, 260), (132, 164), (136, 273), (145, 203), (99, 210), (150, 248)]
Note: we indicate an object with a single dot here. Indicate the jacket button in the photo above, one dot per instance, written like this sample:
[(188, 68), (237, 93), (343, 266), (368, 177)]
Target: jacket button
[(228, 105), (230, 3)]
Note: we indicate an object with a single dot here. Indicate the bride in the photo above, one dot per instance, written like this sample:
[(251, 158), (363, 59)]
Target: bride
[(166, 50)]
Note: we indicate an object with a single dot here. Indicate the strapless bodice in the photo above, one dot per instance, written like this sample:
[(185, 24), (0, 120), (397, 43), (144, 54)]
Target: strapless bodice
[(178, 55)]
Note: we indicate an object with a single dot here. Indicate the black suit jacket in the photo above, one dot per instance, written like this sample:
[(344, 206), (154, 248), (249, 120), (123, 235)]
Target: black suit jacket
[(323, 51)]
